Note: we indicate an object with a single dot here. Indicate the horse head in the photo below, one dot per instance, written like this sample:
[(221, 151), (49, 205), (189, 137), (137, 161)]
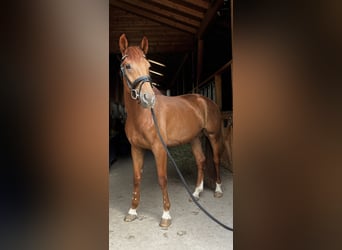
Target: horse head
[(135, 71)]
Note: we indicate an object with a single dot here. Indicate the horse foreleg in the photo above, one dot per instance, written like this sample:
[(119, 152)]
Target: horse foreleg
[(200, 159), (138, 160), (161, 163)]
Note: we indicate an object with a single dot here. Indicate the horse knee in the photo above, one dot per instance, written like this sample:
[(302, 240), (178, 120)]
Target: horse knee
[(162, 180)]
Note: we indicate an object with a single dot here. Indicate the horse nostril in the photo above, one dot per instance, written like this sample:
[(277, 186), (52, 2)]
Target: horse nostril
[(148, 99), (153, 99)]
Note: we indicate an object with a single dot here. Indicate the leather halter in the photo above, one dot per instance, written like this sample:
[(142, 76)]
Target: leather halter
[(137, 82)]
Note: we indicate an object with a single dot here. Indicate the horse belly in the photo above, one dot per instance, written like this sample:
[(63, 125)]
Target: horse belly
[(182, 134)]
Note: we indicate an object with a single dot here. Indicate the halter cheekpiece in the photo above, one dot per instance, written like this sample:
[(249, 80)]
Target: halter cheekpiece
[(132, 86)]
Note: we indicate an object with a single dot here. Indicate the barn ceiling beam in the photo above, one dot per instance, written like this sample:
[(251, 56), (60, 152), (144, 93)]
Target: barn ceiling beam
[(153, 37), (209, 16), (180, 8), (154, 17), (199, 3), (160, 48), (153, 8)]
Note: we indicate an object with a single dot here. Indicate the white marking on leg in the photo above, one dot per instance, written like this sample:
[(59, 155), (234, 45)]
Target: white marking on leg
[(166, 215), (198, 190), (218, 188), (132, 211)]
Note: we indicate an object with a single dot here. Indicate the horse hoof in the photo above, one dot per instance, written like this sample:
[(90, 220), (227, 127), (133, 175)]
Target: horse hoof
[(165, 223), (218, 194), (130, 217), (196, 198)]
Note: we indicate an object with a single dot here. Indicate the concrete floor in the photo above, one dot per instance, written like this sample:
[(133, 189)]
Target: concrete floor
[(190, 228)]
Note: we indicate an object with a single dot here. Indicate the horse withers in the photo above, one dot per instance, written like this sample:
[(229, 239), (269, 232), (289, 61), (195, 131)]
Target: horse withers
[(181, 119)]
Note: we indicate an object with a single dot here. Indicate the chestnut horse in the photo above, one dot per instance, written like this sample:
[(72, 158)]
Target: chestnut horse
[(181, 119)]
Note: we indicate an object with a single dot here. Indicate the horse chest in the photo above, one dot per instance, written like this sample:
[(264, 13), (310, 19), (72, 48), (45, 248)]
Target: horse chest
[(138, 137)]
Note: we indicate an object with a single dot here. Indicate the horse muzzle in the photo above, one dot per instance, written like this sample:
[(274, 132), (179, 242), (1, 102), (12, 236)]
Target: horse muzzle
[(147, 100)]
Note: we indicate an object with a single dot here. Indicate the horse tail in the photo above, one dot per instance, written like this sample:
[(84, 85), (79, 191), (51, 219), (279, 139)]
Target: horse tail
[(222, 146), (226, 139)]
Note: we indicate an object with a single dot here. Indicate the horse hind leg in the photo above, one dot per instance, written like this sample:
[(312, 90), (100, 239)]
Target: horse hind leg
[(200, 159), (215, 145)]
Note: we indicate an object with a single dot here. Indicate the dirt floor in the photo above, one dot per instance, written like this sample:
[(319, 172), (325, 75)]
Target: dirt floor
[(190, 228)]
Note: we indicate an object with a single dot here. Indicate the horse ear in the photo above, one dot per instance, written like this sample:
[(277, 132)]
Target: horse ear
[(144, 45), (123, 43)]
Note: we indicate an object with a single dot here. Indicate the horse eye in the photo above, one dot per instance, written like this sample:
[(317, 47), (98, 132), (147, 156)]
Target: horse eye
[(128, 66)]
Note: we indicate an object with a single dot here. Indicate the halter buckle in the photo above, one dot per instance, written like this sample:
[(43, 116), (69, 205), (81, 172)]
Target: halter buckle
[(134, 94)]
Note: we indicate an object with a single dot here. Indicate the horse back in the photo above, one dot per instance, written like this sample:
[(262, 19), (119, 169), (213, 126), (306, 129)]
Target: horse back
[(191, 112), (210, 110)]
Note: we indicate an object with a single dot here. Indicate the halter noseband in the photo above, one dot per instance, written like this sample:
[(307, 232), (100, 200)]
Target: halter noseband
[(132, 86)]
